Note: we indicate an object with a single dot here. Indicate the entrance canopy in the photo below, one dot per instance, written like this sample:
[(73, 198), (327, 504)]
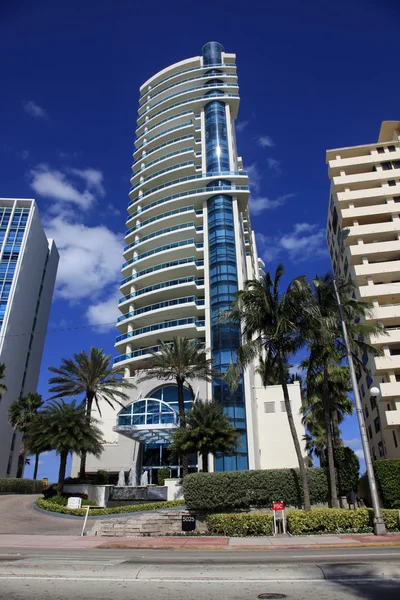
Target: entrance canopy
[(148, 420)]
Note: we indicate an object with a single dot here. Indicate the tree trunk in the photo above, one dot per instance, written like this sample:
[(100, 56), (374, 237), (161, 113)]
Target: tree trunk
[(82, 469), (328, 433), (336, 434), (204, 458), (21, 459), (36, 465), (61, 472), (303, 472), (182, 422)]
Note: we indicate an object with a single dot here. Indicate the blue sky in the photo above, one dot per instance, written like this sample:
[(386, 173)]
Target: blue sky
[(313, 75)]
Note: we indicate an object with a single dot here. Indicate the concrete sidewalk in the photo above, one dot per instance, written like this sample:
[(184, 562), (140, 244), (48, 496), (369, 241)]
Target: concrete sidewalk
[(197, 543)]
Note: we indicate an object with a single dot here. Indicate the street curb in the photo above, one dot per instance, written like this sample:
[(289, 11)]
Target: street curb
[(135, 546)]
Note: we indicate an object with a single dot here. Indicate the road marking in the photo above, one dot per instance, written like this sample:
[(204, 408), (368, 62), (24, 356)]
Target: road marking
[(194, 580)]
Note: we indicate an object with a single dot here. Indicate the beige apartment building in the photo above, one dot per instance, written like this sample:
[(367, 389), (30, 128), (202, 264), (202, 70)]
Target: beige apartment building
[(365, 202)]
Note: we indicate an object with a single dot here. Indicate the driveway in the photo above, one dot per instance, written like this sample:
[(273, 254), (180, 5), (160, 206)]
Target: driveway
[(18, 516)]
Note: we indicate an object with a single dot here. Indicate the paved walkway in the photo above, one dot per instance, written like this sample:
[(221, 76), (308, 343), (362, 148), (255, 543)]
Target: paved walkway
[(198, 543), (17, 516)]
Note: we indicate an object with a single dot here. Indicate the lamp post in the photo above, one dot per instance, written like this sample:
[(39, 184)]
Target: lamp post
[(379, 525)]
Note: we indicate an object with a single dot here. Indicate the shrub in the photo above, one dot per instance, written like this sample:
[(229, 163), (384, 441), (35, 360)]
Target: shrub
[(80, 512), (101, 478), (241, 489), (347, 469), (237, 525), (162, 475), (337, 520), (387, 473), (21, 486)]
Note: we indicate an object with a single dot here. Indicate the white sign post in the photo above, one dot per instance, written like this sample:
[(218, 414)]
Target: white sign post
[(279, 507)]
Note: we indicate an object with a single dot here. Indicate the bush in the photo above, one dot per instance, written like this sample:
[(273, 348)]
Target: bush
[(347, 469), (300, 522), (162, 475), (241, 489), (80, 512), (21, 486), (237, 525), (387, 473), (63, 500), (337, 520), (101, 478)]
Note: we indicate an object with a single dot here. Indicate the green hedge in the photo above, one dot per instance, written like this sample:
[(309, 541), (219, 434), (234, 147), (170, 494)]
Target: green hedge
[(300, 522), (162, 475), (347, 470), (238, 525), (80, 512), (241, 489), (387, 473), (21, 486)]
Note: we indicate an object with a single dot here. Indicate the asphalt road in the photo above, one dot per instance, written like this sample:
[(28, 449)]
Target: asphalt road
[(97, 574)]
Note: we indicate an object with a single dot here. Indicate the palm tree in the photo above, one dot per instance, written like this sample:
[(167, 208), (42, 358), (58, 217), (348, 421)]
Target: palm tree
[(65, 428), (327, 350), (93, 376), (272, 324), (20, 416), (181, 361), (207, 431)]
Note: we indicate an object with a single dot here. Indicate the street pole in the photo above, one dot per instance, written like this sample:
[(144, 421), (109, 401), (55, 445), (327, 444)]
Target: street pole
[(379, 525)]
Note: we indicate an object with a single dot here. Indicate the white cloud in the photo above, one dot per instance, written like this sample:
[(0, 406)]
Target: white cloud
[(360, 454), (306, 241), (240, 125), (52, 183), (34, 110), (265, 141), (90, 257), (254, 177), (274, 165), (353, 443), (93, 179), (258, 205), (24, 154), (104, 312)]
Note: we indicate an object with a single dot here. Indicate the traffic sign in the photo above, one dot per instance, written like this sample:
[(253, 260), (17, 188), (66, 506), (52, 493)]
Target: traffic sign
[(278, 506)]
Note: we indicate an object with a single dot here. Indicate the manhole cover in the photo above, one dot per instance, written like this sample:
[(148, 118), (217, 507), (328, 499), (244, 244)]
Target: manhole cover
[(271, 596)]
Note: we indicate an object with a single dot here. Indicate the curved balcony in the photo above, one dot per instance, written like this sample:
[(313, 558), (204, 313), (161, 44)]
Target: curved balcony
[(177, 231), (179, 118), (149, 112), (194, 103), (186, 306), (140, 353), (166, 171), (184, 264), (192, 180), (158, 330), (185, 86), (178, 142), (169, 159), (186, 72), (179, 214), (197, 194), (152, 142), (167, 288), (177, 247)]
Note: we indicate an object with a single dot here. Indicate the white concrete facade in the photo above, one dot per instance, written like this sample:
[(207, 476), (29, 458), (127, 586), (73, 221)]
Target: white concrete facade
[(28, 263), (184, 164), (365, 200)]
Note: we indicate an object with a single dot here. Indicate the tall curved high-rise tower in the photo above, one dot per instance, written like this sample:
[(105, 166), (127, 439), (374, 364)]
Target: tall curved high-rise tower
[(189, 243)]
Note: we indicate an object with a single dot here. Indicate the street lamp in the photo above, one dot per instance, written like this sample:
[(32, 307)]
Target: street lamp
[(379, 525)]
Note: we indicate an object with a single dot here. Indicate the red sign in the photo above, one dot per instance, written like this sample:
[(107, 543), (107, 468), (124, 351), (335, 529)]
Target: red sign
[(278, 506)]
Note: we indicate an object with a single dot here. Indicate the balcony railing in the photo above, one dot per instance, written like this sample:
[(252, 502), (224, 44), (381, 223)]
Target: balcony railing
[(165, 304), (157, 173), (187, 124), (204, 67), (162, 232), (163, 249), (166, 265), (157, 160), (188, 178), (158, 326), (220, 188), (160, 286), (169, 213)]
